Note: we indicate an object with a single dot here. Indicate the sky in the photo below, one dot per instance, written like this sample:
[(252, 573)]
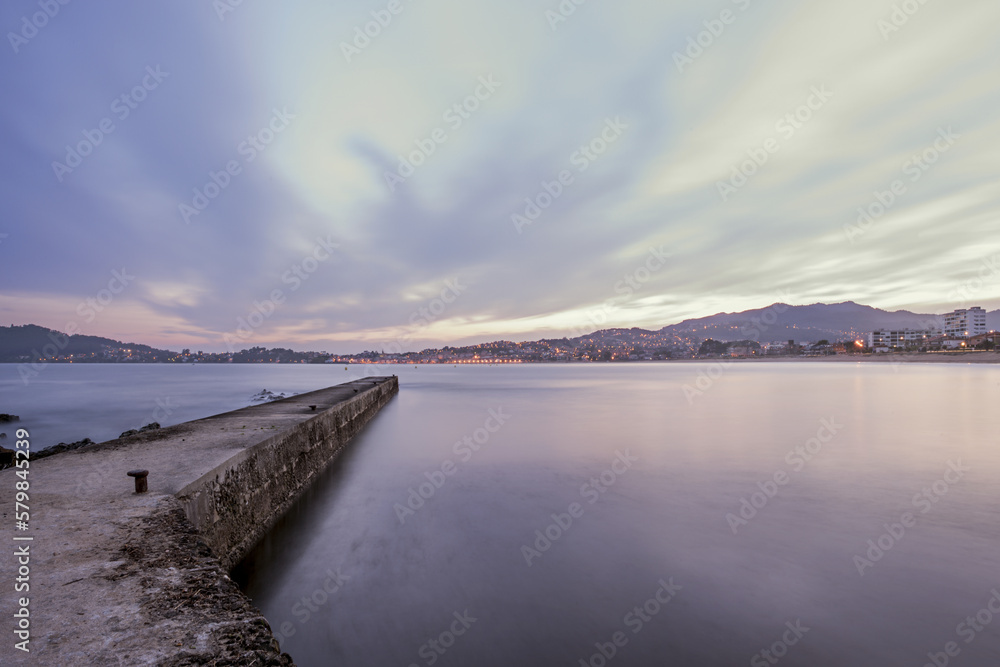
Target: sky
[(344, 176)]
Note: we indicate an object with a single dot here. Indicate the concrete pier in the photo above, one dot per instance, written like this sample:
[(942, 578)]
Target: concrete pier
[(125, 578)]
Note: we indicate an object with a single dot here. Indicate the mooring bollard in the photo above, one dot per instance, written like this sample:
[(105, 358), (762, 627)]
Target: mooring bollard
[(140, 480)]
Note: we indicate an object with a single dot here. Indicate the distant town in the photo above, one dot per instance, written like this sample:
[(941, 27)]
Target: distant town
[(962, 330), (719, 336)]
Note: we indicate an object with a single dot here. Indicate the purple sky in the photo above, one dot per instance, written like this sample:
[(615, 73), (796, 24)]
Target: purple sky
[(192, 174)]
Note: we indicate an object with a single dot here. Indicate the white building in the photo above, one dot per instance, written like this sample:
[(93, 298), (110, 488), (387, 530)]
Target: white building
[(884, 340), (965, 323)]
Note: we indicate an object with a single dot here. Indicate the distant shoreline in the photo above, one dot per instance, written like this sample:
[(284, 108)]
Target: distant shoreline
[(926, 358), (969, 357)]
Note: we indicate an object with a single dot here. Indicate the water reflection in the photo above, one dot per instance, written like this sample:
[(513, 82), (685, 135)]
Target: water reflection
[(606, 549)]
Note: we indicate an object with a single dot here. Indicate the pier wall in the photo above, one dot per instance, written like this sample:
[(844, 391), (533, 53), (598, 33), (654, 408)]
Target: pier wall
[(236, 503), (126, 578)]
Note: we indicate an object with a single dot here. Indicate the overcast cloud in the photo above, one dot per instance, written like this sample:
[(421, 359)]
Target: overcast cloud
[(840, 98)]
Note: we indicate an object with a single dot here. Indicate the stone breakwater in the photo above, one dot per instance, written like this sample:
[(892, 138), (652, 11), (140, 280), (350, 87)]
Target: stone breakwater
[(120, 578)]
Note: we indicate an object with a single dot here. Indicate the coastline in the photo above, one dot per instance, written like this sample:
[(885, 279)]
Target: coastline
[(963, 357), (971, 357)]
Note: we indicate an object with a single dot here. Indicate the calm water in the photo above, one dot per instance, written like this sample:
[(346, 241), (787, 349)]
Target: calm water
[(380, 583), (906, 457), (66, 403)]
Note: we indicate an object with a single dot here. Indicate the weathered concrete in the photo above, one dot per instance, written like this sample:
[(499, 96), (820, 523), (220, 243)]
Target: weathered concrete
[(119, 578), (234, 504)]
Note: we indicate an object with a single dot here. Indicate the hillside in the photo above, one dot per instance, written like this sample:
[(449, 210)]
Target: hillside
[(31, 342), (778, 322), (839, 321)]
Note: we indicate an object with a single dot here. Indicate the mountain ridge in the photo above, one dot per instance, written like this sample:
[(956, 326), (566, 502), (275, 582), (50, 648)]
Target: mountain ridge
[(810, 323)]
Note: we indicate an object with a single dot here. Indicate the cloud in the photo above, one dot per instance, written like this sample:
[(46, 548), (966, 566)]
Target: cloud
[(657, 185)]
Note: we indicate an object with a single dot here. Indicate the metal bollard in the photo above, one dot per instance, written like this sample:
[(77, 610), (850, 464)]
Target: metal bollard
[(140, 480)]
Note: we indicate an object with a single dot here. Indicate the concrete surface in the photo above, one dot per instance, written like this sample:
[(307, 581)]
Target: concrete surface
[(118, 578)]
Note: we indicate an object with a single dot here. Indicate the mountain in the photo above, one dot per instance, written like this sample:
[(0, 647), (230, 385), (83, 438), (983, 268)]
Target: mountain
[(31, 342), (833, 322), (778, 322), (34, 344)]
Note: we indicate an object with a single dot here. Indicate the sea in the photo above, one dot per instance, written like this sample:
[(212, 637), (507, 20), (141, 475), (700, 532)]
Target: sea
[(600, 515)]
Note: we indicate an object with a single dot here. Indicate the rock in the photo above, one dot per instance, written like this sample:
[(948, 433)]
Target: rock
[(152, 426), (61, 447), (265, 396), (3, 436), (6, 418), (6, 457)]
